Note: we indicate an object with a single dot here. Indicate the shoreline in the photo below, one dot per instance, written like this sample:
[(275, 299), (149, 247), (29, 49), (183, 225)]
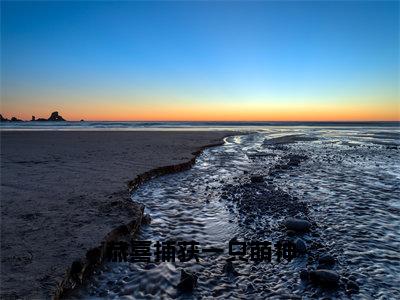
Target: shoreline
[(266, 190), (164, 170), (77, 173), (95, 256)]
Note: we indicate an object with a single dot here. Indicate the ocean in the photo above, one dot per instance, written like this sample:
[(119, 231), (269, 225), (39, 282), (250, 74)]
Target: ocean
[(136, 125)]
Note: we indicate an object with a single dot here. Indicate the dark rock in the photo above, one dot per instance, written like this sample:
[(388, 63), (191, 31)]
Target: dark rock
[(3, 119), (323, 277), (93, 256), (76, 271), (146, 219), (301, 246), (188, 281), (122, 230), (76, 267), (327, 260), (33, 118), (291, 233), (230, 269), (298, 225), (14, 119), (352, 287), (304, 275), (55, 117), (256, 179)]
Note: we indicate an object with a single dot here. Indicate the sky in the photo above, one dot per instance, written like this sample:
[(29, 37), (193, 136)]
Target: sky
[(195, 61)]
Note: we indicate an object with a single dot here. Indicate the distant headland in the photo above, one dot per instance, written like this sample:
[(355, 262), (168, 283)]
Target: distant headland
[(54, 117)]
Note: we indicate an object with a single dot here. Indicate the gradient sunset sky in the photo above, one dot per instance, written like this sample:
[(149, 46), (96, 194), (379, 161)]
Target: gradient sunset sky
[(253, 61)]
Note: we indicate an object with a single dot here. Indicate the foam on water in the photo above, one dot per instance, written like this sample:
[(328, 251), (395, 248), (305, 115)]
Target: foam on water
[(141, 125)]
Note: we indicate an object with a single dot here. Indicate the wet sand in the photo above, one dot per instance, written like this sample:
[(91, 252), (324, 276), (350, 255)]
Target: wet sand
[(332, 192), (62, 192)]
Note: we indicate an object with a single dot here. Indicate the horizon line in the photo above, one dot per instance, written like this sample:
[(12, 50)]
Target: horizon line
[(220, 121)]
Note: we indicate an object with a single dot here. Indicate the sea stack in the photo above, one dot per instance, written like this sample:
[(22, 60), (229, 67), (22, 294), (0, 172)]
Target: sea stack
[(55, 117), (15, 119)]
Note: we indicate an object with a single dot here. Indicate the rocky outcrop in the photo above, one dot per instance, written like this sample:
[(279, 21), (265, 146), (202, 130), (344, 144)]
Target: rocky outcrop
[(188, 281), (297, 225), (301, 246), (14, 119), (256, 179), (326, 278), (55, 117)]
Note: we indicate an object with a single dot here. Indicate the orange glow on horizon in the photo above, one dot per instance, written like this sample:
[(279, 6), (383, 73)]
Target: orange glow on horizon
[(217, 112)]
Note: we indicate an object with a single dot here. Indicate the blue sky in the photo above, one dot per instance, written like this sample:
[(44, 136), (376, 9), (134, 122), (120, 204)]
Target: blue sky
[(192, 54)]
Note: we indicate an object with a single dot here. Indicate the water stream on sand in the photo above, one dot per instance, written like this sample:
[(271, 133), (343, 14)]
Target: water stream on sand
[(345, 181)]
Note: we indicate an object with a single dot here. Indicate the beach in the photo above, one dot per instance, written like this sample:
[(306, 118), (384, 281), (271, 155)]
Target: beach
[(62, 192), (331, 191), (199, 150)]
